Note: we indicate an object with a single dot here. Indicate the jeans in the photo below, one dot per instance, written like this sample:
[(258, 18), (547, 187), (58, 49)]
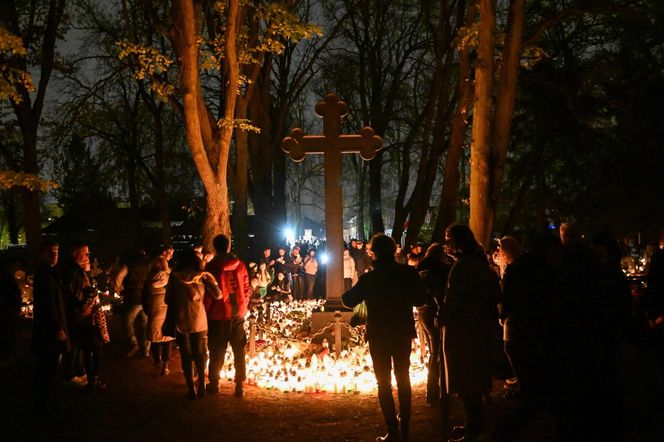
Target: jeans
[(220, 334), (91, 345), (425, 317), (309, 281), (161, 351), (45, 372), (192, 350), (383, 354), (298, 287), (136, 312)]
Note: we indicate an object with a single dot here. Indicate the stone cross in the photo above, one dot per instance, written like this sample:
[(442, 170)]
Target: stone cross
[(332, 144)]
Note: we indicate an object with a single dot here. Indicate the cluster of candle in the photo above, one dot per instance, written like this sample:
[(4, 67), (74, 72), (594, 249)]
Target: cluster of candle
[(286, 359)]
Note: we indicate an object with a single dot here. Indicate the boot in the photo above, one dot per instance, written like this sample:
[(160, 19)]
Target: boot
[(392, 431), (200, 390), (164, 369), (389, 437), (404, 428), (239, 391), (212, 388), (191, 391), (94, 383)]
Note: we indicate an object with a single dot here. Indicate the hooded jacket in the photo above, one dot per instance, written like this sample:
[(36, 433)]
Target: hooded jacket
[(233, 279)]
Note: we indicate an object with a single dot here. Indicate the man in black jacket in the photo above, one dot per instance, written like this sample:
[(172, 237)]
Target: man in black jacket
[(390, 291), (49, 324)]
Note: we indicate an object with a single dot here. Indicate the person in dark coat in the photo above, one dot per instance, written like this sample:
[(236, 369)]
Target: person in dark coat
[(434, 271), (10, 309), (390, 292), (527, 304), (469, 315), (362, 259), (582, 312), (613, 310), (74, 280), (50, 337)]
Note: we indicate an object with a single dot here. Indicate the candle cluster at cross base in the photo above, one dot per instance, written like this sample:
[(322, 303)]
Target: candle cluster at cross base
[(290, 358)]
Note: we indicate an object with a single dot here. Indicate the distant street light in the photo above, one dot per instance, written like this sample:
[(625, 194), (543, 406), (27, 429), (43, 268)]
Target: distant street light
[(290, 235)]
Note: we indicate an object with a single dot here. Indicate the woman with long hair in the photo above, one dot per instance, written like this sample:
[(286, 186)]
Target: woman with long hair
[(185, 292), (469, 316)]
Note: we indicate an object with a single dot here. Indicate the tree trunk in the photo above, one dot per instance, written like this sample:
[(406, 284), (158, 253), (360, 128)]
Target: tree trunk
[(28, 112), (13, 227), (518, 205), (160, 177), (216, 216), (447, 207), (261, 154), (401, 208), (506, 96), (240, 203), (209, 147), (481, 215), (422, 194), (361, 197), (375, 193), (31, 215)]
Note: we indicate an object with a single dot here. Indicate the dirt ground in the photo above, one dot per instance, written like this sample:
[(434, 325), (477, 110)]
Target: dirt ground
[(141, 405)]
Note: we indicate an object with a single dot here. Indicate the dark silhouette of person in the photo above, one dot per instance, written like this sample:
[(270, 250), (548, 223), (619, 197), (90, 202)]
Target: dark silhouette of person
[(528, 300), (469, 316), (390, 292), (50, 336), (434, 271), (613, 310), (10, 312), (585, 313), (654, 301)]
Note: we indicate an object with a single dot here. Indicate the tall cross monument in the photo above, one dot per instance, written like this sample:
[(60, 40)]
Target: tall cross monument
[(332, 144)]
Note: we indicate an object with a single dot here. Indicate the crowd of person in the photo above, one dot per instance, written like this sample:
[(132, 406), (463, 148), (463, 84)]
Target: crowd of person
[(560, 310), (197, 301), (556, 312)]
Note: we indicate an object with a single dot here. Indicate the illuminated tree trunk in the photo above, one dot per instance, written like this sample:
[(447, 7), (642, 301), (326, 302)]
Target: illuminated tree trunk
[(447, 207), (481, 214), (209, 143), (491, 132)]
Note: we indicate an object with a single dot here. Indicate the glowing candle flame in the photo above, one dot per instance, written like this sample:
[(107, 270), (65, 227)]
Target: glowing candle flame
[(287, 361)]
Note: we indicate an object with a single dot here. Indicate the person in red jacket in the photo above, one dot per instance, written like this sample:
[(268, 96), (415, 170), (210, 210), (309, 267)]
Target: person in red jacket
[(226, 316)]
